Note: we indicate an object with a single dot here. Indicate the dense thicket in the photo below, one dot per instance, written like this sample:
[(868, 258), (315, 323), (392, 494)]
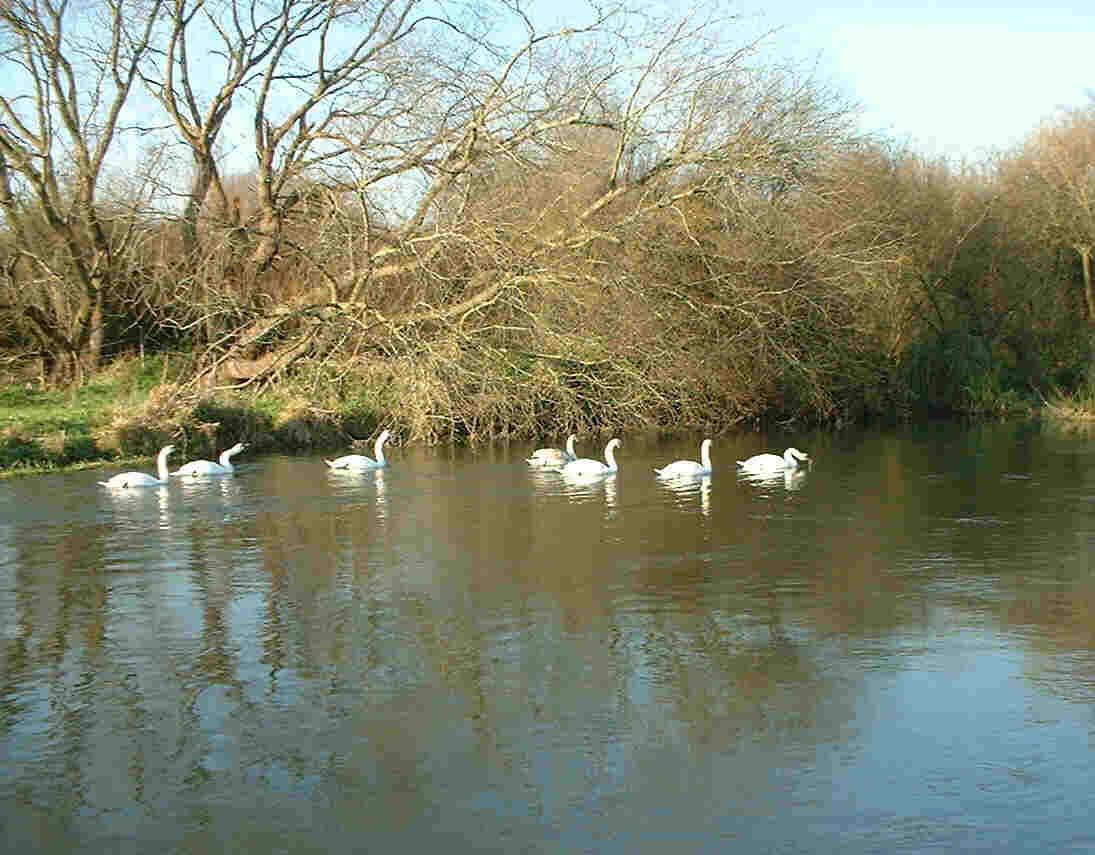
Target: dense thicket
[(477, 226)]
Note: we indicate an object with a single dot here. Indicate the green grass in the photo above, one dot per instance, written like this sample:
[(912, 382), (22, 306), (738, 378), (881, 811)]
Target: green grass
[(1077, 407), (47, 429), (126, 412), (44, 411), (44, 429)]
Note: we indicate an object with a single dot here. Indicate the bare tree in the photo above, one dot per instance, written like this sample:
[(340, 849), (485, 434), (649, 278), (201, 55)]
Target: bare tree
[(70, 70), (1054, 174), (569, 203), (615, 209), (357, 96), (298, 71)]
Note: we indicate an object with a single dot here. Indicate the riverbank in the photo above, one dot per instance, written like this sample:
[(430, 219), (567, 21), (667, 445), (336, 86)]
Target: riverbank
[(127, 412), (1072, 409)]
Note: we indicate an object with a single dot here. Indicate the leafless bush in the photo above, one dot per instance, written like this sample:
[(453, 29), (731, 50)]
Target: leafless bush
[(633, 220)]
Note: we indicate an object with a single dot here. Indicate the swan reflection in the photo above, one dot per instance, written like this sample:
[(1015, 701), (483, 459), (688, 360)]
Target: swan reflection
[(228, 488), (381, 494), (610, 495), (686, 490), (133, 505), (790, 480), (547, 479), (591, 487)]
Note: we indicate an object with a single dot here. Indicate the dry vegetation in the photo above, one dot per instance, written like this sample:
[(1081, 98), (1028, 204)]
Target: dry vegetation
[(480, 227)]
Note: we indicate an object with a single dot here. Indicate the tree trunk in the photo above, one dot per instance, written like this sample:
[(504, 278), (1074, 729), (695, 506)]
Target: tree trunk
[(198, 190), (93, 349), (1089, 293), (268, 228)]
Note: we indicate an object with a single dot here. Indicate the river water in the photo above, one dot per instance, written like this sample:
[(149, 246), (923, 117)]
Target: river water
[(894, 652)]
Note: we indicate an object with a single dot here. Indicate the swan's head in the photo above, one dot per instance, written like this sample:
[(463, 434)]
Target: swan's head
[(793, 455), (238, 447), (385, 435), (166, 450), (613, 444)]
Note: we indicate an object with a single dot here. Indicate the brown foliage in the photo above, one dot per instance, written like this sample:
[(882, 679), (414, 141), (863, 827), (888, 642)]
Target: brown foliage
[(620, 224)]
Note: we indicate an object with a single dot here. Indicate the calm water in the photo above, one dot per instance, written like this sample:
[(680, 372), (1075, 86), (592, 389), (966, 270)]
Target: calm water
[(893, 653)]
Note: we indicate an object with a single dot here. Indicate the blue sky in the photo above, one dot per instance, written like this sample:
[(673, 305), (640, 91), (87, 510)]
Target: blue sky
[(949, 79), (957, 80)]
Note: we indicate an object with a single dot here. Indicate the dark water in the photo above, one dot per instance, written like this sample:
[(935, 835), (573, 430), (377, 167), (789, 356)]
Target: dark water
[(893, 653)]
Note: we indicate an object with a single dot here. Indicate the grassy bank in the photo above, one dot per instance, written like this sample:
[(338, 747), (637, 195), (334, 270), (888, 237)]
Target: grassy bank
[(135, 406), (130, 410), (1076, 410)]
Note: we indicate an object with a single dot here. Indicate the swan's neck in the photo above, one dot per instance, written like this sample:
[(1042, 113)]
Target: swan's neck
[(570, 447), (378, 449), (610, 455), (161, 465), (705, 456), (226, 458)]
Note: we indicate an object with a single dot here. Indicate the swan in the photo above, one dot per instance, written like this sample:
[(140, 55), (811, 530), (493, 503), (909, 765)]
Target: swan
[(124, 480), (584, 466), (773, 464), (199, 468), (361, 463), (548, 458), (689, 468)]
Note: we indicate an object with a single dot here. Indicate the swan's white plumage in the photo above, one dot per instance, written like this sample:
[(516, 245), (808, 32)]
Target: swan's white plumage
[(585, 466), (553, 458), (361, 463), (689, 468), (200, 468), (773, 464), (125, 480)]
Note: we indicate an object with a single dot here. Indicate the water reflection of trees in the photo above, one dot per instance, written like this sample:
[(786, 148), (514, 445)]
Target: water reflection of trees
[(498, 629), (510, 636)]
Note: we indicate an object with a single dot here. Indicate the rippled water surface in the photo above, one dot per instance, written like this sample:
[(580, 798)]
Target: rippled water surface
[(894, 652)]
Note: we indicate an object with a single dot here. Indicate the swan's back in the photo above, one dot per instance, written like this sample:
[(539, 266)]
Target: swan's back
[(553, 458), (353, 462), (763, 463), (682, 469), (689, 468), (361, 462), (546, 457), (773, 463), (586, 466), (197, 468), (124, 480)]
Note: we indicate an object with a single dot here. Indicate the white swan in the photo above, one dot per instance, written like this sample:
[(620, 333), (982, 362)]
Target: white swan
[(585, 466), (553, 458), (689, 468), (361, 463), (773, 464), (124, 480), (201, 468)]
